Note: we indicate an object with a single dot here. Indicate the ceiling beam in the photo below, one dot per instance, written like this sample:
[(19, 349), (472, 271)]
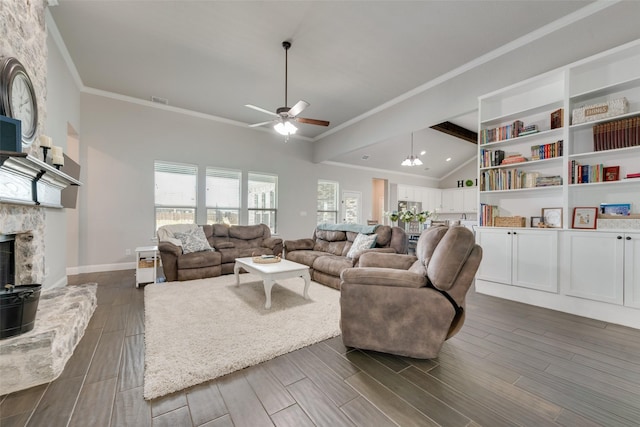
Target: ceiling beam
[(457, 131)]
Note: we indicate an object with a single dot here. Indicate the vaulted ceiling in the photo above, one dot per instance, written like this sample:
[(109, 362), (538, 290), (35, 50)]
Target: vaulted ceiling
[(347, 59)]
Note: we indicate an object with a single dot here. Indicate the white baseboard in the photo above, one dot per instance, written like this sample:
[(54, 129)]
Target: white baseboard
[(98, 268)]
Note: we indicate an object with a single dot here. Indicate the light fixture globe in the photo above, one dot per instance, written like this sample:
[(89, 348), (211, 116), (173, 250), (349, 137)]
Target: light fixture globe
[(285, 128)]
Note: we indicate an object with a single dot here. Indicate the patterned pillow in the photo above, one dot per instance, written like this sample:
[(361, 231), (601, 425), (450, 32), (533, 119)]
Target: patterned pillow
[(193, 240), (360, 243)]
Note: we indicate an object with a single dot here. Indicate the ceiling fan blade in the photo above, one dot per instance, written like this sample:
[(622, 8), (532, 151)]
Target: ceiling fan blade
[(255, 125), (312, 121), (261, 110), (298, 108)]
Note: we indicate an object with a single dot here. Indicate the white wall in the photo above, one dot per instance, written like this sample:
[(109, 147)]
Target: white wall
[(120, 141), (63, 108), (467, 171)]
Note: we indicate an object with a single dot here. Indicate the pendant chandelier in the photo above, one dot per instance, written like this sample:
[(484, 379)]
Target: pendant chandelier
[(411, 160)]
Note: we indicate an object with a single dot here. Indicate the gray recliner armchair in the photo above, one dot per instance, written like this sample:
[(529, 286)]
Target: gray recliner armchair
[(409, 305)]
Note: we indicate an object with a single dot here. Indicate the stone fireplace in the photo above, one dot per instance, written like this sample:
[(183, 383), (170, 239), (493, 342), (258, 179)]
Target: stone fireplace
[(26, 224), (39, 356)]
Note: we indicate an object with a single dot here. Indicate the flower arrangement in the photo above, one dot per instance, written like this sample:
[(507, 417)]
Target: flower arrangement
[(423, 216), (407, 216), (393, 215)]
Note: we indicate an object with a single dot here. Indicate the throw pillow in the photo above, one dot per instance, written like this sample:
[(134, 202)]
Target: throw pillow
[(193, 240), (360, 243)]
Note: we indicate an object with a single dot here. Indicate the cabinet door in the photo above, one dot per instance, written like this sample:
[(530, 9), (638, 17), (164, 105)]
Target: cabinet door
[(406, 193), (470, 200), (595, 265), (535, 259), (496, 255), (452, 200), (632, 270), (447, 201), (431, 199)]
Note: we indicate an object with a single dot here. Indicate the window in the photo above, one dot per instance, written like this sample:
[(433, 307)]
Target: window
[(262, 199), (223, 196), (175, 193), (327, 207)]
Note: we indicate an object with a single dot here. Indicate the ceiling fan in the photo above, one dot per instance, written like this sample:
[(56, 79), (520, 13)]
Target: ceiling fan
[(284, 116)]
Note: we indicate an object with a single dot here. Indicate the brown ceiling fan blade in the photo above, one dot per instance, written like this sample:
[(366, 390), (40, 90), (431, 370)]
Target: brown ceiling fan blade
[(260, 109), (298, 108), (312, 121), (255, 125)]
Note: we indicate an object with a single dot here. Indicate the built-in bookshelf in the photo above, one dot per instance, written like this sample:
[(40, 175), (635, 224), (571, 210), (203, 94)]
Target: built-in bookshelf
[(565, 140), (600, 150)]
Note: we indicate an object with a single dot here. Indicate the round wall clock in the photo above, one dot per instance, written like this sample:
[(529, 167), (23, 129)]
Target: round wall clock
[(18, 99)]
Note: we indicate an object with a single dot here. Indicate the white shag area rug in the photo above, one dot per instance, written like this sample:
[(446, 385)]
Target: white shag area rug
[(199, 330)]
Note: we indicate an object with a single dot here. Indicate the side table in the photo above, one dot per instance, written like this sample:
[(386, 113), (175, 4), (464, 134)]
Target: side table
[(146, 264)]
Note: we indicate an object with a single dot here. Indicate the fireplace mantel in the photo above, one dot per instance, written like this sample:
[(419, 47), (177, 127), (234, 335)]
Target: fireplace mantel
[(26, 180)]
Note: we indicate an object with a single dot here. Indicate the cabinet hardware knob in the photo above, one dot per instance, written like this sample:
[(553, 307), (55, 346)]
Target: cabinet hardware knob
[(628, 237), (515, 232), (508, 232), (619, 237)]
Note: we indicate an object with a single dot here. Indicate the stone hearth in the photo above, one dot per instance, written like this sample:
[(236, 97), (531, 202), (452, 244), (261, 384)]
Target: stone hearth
[(39, 356)]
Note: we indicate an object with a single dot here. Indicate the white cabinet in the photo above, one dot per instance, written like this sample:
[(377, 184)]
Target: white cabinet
[(452, 200), (406, 193), (431, 199), (470, 200), (603, 266), (521, 257)]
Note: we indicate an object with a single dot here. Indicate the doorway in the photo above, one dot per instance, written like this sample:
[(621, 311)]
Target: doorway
[(379, 198), (351, 207)]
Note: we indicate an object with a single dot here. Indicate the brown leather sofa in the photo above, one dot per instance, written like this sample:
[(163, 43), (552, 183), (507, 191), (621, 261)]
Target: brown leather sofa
[(409, 305), (228, 243), (326, 252)]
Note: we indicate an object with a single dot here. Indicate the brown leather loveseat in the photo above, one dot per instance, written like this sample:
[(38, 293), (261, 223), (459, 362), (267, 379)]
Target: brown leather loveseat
[(226, 243), (327, 252)]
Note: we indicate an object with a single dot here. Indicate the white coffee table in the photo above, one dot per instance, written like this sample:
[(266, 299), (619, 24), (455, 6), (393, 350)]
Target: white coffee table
[(271, 272)]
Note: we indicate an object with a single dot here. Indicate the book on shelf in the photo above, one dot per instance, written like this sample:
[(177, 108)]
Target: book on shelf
[(633, 175), (507, 179), (546, 151), (557, 119), (490, 158), (548, 181), (501, 133), (514, 158), (528, 132), (621, 133), (487, 214), (584, 174)]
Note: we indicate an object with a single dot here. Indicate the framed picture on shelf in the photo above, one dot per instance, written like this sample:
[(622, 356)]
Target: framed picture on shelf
[(586, 217), (537, 221), (552, 217), (622, 209), (612, 173)]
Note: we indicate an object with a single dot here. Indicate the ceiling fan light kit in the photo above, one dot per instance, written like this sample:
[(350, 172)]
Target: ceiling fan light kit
[(285, 128), (411, 160), (285, 116)]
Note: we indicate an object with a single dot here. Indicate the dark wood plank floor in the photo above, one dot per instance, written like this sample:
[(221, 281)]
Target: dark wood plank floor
[(512, 364)]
